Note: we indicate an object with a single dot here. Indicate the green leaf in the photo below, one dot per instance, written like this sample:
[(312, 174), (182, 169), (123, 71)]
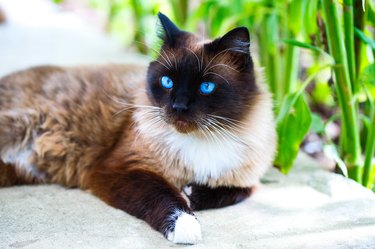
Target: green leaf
[(308, 46), (293, 123), (295, 15), (364, 38), (310, 17), (367, 76), (304, 45)]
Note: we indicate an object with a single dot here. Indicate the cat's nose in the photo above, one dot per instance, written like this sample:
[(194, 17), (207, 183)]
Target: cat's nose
[(180, 105)]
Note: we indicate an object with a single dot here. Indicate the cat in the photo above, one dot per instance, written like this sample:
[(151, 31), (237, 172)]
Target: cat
[(193, 131)]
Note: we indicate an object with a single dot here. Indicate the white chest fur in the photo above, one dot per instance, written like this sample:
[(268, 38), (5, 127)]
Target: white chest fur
[(206, 157)]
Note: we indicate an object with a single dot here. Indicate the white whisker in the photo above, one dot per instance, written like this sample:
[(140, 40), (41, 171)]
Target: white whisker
[(168, 62), (175, 60), (166, 55), (206, 131), (220, 64), (217, 130), (230, 120), (221, 129), (120, 111), (209, 63), (218, 75), (163, 64), (154, 117), (132, 106)]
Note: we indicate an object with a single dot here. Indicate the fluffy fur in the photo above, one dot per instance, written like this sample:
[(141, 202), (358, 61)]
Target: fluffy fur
[(116, 132)]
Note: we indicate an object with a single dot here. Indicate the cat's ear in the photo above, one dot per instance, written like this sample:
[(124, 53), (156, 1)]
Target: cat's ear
[(236, 45), (236, 40), (169, 31)]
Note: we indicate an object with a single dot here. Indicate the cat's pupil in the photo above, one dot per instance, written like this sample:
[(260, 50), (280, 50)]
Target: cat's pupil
[(166, 82), (207, 87)]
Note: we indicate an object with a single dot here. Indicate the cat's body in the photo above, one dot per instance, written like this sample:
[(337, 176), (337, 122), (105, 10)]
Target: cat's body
[(157, 152)]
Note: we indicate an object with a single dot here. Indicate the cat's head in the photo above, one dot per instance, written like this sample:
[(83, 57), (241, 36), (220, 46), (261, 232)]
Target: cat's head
[(201, 85)]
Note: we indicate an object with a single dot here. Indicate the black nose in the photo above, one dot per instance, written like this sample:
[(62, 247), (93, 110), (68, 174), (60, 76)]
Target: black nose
[(180, 104), (179, 107)]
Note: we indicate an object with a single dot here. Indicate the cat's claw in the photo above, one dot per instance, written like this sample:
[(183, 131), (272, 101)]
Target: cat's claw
[(187, 230)]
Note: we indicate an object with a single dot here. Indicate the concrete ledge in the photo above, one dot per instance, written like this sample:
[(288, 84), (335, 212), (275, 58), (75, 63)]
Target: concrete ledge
[(309, 208)]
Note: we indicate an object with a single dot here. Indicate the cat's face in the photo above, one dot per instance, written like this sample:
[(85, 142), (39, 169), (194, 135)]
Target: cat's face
[(201, 85)]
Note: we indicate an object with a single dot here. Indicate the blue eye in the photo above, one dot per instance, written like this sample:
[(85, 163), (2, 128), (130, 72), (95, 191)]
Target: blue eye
[(166, 82), (207, 87)]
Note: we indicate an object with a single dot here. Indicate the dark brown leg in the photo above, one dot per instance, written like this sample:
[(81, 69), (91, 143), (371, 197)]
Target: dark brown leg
[(8, 176), (148, 196), (203, 197)]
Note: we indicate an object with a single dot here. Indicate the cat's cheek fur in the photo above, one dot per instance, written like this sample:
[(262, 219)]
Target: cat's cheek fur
[(187, 229)]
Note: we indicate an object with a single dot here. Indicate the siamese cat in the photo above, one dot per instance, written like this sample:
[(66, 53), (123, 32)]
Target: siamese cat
[(194, 130)]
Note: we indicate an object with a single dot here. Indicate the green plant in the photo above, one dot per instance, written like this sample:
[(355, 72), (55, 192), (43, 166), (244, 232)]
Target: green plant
[(340, 29), (341, 44)]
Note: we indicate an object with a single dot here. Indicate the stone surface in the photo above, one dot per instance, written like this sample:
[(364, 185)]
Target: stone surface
[(309, 208)]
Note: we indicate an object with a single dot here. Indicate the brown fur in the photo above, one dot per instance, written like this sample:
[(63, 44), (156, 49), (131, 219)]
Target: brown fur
[(71, 126)]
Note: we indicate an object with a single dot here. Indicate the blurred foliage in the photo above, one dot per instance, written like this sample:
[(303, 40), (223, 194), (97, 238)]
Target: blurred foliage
[(306, 64)]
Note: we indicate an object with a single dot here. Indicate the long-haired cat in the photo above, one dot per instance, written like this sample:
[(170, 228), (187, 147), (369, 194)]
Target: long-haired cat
[(193, 131)]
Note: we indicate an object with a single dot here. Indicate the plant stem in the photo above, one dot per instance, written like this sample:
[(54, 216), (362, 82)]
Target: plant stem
[(349, 42), (352, 148), (139, 35), (370, 149), (359, 23), (180, 10), (291, 69), (271, 34)]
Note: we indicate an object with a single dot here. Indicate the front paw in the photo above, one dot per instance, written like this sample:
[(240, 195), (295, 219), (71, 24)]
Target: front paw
[(187, 229)]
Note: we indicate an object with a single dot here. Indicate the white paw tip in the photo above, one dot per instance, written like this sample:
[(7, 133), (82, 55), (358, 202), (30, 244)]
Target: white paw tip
[(187, 230)]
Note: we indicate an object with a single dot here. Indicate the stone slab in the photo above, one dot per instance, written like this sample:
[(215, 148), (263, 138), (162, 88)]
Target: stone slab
[(309, 208)]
